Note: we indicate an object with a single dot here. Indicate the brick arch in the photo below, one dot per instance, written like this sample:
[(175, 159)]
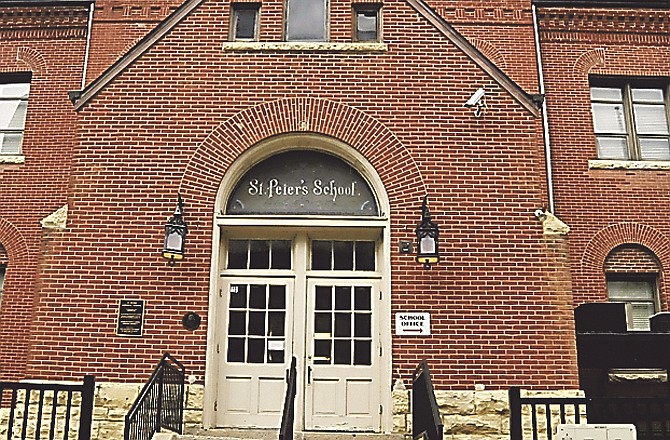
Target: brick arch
[(607, 239), (490, 51), (14, 243), (372, 139), (588, 60), (34, 59)]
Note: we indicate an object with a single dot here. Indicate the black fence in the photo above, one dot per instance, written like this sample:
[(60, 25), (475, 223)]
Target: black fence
[(537, 418), (47, 410), (160, 404), (426, 420), (288, 414)]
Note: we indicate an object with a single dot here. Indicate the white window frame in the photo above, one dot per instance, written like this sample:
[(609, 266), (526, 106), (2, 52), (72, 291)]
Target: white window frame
[(235, 10)]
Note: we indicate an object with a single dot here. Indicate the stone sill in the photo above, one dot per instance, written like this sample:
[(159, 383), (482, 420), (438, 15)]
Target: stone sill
[(629, 164), (12, 158), (256, 46)]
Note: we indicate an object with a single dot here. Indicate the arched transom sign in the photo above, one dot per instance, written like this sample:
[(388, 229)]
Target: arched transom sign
[(302, 182)]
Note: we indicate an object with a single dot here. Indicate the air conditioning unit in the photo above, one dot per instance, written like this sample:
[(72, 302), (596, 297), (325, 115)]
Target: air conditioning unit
[(596, 432)]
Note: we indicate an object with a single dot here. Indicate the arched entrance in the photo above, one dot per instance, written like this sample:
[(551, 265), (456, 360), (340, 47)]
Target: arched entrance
[(302, 269)]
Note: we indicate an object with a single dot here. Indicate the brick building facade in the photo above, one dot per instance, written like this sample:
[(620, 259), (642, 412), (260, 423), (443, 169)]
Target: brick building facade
[(303, 147)]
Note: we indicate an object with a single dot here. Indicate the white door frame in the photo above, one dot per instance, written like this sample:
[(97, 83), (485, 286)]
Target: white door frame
[(222, 222)]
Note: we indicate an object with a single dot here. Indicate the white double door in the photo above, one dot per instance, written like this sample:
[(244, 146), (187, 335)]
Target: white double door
[(331, 326)]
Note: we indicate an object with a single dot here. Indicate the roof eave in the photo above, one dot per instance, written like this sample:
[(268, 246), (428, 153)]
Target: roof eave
[(531, 102), (91, 90)]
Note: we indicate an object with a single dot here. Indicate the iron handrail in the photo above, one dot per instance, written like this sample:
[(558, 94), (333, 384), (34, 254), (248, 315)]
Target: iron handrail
[(160, 403), (650, 415), (288, 413), (51, 410), (426, 419)]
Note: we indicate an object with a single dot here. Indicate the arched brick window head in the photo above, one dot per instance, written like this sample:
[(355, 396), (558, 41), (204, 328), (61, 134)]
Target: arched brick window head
[(632, 273)]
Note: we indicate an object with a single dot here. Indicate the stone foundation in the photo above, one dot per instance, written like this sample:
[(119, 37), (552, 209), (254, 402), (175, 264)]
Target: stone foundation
[(467, 415)]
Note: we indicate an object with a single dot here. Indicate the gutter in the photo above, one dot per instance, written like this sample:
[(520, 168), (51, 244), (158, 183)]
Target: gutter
[(89, 27), (545, 118)]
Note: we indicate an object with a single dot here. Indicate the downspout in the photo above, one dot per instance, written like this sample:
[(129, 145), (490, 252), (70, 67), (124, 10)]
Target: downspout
[(545, 118), (88, 44)]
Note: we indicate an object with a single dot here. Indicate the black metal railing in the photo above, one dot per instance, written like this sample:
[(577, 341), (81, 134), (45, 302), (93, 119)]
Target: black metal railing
[(48, 410), (426, 419), (537, 418), (160, 404), (288, 414)]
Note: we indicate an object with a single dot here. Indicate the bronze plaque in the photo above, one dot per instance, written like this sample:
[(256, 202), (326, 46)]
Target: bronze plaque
[(130, 321)]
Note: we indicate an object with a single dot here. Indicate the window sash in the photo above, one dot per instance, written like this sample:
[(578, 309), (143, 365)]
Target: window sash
[(631, 122), (245, 21), (306, 20)]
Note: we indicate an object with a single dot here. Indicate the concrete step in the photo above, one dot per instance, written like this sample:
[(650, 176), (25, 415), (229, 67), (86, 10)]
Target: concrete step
[(272, 434)]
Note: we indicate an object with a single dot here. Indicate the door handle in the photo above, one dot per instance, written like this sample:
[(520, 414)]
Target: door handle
[(309, 374)]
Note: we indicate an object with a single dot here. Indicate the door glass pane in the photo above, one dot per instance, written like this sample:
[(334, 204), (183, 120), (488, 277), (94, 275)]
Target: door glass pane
[(363, 352), (362, 325), (342, 298), (654, 149), (610, 147), (322, 351), (323, 325), (257, 329), (363, 300), (609, 118), (342, 324), (342, 352), (257, 296), (324, 298)]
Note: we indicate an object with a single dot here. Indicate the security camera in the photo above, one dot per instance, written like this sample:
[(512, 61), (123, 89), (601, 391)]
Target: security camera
[(540, 214), (476, 99)]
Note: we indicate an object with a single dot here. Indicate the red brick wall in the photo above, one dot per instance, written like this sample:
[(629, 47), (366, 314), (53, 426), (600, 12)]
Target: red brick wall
[(178, 117), (604, 208), (49, 42)]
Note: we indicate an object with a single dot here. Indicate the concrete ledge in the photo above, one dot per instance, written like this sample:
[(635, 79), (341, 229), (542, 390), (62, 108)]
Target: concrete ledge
[(601, 164), (12, 158)]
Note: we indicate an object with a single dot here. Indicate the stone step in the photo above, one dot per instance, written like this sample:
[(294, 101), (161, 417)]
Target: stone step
[(272, 434)]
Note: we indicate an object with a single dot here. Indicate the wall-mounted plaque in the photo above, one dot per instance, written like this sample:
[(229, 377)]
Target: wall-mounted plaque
[(303, 182), (130, 321)]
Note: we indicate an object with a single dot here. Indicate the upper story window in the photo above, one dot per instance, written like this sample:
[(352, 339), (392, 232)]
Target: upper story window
[(630, 119), (14, 90), (245, 21), (306, 20), (367, 26)]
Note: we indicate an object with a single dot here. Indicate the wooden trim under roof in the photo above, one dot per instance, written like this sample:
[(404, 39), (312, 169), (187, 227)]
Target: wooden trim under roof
[(531, 102)]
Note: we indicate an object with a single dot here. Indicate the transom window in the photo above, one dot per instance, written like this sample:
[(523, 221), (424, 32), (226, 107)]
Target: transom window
[(14, 91), (343, 255), (306, 20), (259, 254), (630, 119)]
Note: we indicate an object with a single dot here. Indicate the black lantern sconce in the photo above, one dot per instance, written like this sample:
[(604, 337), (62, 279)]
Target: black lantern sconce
[(427, 238), (175, 234)]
